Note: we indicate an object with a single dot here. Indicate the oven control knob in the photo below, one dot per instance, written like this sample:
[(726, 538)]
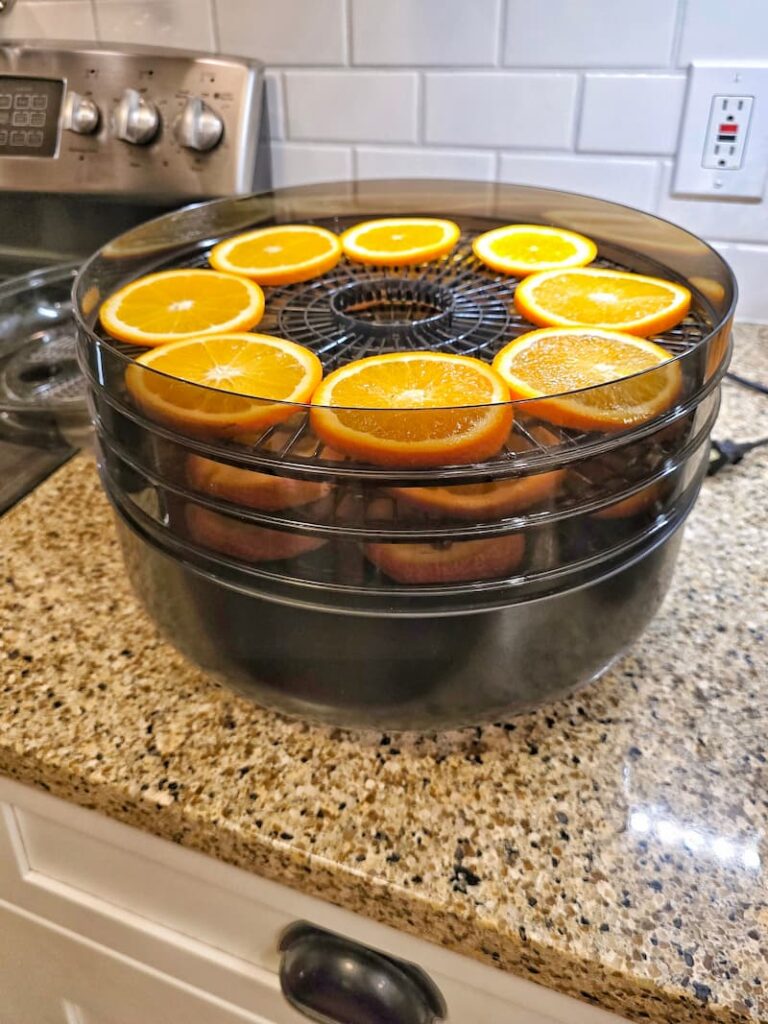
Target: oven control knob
[(81, 115), (197, 126), (135, 119)]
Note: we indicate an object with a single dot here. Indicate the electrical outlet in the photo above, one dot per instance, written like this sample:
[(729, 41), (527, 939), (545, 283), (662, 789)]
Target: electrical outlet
[(723, 148), (727, 132)]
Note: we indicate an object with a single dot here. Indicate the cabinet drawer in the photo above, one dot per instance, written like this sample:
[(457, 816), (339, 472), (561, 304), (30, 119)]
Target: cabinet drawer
[(49, 976), (216, 926)]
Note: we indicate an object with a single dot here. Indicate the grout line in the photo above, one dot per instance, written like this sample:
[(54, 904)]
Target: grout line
[(502, 31), (560, 151), (658, 186), (677, 36), (487, 70), (421, 108), (483, 69), (347, 46), (578, 112), (214, 8), (662, 177), (284, 97), (282, 126), (96, 25), (459, 69)]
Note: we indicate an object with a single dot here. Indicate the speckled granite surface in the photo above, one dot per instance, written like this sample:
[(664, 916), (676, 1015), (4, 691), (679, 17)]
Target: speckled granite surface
[(613, 847)]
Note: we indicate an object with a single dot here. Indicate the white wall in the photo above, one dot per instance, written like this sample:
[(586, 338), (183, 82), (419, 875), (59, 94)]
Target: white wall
[(584, 95)]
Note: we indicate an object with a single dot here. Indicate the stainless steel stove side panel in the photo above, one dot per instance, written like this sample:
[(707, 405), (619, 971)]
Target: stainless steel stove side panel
[(102, 164)]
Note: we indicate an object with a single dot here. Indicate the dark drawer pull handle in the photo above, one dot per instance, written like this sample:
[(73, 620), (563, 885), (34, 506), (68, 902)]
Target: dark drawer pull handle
[(337, 981)]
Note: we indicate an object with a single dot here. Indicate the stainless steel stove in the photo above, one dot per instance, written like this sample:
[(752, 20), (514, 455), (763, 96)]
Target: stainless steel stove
[(94, 140)]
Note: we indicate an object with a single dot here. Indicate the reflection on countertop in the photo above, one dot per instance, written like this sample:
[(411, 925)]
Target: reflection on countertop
[(612, 847)]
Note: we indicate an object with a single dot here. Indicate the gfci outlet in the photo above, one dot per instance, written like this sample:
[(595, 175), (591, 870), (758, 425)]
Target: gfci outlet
[(723, 149)]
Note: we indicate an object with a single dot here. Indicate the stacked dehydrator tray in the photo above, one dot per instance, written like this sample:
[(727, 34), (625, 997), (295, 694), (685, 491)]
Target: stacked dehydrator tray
[(327, 634)]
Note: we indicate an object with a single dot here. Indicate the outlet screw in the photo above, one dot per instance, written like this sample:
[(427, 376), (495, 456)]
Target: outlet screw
[(718, 183)]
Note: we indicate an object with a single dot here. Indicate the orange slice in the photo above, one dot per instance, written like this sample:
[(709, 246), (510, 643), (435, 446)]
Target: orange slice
[(174, 304), (399, 240), (461, 562), (265, 491), (223, 384), (555, 362), (413, 409), (638, 502), (492, 499), (282, 254), (523, 249), (612, 299), (246, 541)]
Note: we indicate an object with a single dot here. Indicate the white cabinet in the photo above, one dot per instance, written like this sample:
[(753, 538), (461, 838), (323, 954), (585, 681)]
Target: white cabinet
[(101, 923), (50, 976)]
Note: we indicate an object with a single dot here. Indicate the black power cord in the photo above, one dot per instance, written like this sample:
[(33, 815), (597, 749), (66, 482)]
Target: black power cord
[(754, 385), (730, 453)]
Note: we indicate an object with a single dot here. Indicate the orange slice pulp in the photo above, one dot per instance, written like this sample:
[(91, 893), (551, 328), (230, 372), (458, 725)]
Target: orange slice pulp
[(628, 380), (279, 255), (611, 299), (523, 249), (223, 384), (396, 241), (413, 409), (174, 304)]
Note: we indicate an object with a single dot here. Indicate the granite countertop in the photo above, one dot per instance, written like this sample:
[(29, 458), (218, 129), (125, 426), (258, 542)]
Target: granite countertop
[(613, 847)]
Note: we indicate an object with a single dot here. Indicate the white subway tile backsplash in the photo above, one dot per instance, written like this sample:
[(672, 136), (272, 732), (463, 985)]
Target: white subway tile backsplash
[(390, 162), (724, 30), (500, 109), (590, 33), (49, 19), (352, 106), (731, 220), (187, 24), (425, 31), (749, 263), (631, 113), (295, 164), (283, 31), (624, 181), (424, 96)]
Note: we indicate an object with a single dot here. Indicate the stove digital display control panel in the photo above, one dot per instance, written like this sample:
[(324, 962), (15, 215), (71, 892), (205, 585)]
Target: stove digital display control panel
[(29, 115)]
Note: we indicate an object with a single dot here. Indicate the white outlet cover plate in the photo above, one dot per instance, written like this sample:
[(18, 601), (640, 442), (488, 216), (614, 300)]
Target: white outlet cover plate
[(706, 80)]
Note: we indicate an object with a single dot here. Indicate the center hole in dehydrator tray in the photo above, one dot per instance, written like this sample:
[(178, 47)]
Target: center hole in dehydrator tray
[(385, 305)]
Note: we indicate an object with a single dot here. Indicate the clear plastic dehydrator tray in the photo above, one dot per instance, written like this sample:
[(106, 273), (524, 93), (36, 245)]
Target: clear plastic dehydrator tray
[(278, 512)]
